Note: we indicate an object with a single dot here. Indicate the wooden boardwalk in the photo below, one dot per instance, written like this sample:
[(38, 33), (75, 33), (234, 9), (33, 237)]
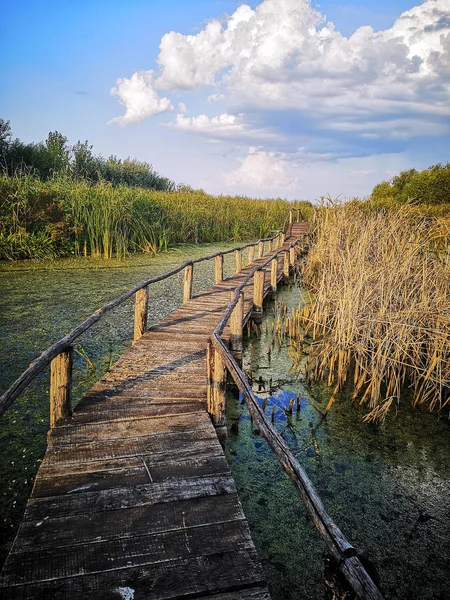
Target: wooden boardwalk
[(134, 498)]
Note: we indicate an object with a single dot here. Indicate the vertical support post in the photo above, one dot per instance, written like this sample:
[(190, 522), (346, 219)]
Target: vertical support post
[(218, 269), (236, 326), (60, 386), (292, 256), (251, 254), (216, 385), (140, 313), (290, 216), (282, 238), (238, 255), (286, 264), (187, 287), (260, 249), (258, 294), (298, 215), (273, 274)]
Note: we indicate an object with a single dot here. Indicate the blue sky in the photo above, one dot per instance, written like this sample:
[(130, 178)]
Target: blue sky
[(269, 100)]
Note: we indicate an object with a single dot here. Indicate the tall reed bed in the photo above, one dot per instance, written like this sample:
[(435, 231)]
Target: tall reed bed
[(69, 217), (380, 308)]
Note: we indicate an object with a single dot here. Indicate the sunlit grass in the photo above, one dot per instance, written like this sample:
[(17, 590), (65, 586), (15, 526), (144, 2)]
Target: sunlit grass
[(103, 220), (380, 311)]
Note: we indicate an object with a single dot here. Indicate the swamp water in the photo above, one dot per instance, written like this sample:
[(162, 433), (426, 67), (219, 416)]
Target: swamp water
[(42, 301), (386, 486)]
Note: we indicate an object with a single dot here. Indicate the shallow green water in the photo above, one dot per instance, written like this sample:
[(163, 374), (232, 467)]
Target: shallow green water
[(387, 487), (42, 301)]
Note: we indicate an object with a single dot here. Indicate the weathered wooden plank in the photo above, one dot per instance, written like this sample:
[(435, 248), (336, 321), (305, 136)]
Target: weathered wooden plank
[(97, 432), (121, 498), (175, 391), (124, 524), (130, 446), (112, 411), (88, 559), (133, 471), (192, 577)]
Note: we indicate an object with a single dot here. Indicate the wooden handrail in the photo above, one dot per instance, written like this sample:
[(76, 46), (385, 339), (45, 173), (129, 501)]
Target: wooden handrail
[(344, 552), (42, 361)]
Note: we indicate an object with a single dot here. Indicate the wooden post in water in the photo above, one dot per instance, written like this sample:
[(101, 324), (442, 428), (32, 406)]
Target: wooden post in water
[(292, 256), (260, 249), (236, 326), (218, 268), (273, 274), (286, 264), (187, 287), (60, 386), (238, 255), (217, 378), (258, 295), (251, 254), (140, 313)]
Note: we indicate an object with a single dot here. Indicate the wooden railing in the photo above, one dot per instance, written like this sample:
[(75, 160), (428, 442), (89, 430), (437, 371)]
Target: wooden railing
[(220, 359), (60, 355)]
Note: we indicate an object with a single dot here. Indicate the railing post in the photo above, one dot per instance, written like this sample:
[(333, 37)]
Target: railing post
[(238, 255), (216, 385), (298, 215), (260, 249), (292, 256), (251, 254), (282, 239), (140, 313), (187, 287), (60, 386), (236, 326), (286, 264), (218, 269), (274, 274), (258, 295), (290, 216)]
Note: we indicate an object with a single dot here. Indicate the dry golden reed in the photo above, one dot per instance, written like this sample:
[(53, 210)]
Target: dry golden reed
[(380, 309)]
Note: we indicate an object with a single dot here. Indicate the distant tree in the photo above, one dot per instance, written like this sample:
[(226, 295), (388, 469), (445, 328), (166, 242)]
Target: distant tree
[(5, 141), (430, 186), (84, 165), (56, 156), (58, 152)]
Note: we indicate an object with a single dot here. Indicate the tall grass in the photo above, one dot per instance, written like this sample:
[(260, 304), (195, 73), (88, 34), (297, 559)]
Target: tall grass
[(105, 220), (380, 311)]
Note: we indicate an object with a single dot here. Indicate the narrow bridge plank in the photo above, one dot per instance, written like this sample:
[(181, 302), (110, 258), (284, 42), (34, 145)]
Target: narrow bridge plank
[(140, 550), (121, 498), (180, 578), (132, 471), (124, 524)]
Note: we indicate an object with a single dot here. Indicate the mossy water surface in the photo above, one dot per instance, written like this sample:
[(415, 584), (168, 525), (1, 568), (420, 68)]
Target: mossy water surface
[(387, 486)]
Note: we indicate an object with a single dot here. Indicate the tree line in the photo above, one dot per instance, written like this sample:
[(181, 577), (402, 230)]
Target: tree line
[(56, 157)]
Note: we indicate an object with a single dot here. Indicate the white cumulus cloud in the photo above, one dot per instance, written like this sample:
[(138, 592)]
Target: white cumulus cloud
[(261, 170), (286, 78), (139, 97), (223, 126)]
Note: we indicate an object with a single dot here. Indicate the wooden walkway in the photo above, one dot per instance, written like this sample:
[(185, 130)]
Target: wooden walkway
[(134, 498)]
